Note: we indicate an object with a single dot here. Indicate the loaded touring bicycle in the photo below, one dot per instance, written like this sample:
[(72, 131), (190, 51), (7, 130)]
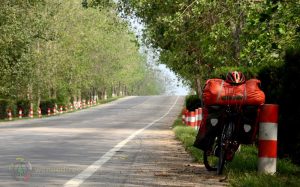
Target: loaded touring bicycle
[(230, 118)]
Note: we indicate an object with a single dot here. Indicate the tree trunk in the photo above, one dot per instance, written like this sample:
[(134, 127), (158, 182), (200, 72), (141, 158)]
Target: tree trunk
[(125, 90), (39, 98), (105, 94), (29, 92), (120, 89), (236, 32), (79, 96), (113, 91), (198, 86), (237, 48)]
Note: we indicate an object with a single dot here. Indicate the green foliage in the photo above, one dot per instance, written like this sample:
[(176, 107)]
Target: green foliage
[(5, 106), (254, 180), (24, 105), (185, 134), (99, 3), (242, 171), (44, 105), (271, 79), (285, 166), (63, 51), (3, 109), (193, 102), (289, 131), (245, 160), (61, 98), (200, 39)]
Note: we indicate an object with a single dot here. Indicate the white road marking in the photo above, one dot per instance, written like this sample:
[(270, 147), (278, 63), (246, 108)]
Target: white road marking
[(89, 171)]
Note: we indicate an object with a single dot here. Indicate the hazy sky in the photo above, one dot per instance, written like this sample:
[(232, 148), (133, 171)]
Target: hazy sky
[(176, 88)]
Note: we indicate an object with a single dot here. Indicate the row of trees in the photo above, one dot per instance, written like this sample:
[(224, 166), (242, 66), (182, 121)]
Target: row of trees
[(201, 39), (65, 50)]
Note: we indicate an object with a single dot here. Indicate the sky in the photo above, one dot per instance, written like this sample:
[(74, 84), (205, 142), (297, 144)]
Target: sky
[(176, 87)]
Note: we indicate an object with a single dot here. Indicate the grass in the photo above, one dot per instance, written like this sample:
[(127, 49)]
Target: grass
[(187, 136), (242, 171), (108, 100)]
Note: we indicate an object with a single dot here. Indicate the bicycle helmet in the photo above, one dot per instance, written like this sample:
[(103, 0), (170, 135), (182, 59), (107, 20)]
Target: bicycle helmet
[(235, 77)]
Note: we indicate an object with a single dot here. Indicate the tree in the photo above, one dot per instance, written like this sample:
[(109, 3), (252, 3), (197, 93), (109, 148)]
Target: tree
[(197, 39), (66, 52)]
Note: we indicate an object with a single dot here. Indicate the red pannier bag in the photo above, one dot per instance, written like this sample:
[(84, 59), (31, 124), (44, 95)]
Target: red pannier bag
[(219, 92)]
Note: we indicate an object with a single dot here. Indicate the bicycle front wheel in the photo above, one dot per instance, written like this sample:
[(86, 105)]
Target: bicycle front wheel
[(210, 158), (221, 161)]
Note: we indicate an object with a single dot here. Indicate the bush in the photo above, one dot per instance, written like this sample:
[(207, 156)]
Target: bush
[(271, 82), (24, 105), (289, 105), (193, 102), (281, 86), (44, 105), (3, 108), (5, 105), (62, 100)]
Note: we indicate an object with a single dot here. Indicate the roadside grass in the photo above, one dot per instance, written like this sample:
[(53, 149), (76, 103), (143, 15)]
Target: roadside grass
[(35, 116), (242, 171), (108, 100), (187, 136)]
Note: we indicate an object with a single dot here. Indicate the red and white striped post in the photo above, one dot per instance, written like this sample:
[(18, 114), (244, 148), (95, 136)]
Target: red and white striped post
[(39, 112), (31, 113), (192, 119), (60, 110), (196, 118), (49, 111), (183, 115), (204, 116), (9, 114), (199, 119), (66, 108), (267, 145), (20, 113), (187, 117), (54, 110)]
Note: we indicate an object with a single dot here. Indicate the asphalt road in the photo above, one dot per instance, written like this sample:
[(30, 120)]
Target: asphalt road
[(124, 143)]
